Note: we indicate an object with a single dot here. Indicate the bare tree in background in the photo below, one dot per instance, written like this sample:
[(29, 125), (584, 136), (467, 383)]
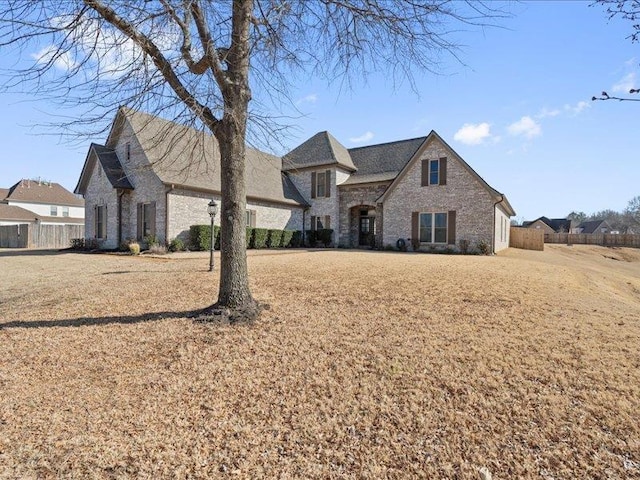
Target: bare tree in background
[(627, 10), (200, 62)]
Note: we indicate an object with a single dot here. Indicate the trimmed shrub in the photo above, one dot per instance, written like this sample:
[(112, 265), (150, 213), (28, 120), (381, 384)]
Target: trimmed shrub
[(296, 239), (483, 248), (311, 238), (324, 236), (287, 236), (151, 241), (250, 233), (260, 236), (134, 248), (77, 243), (176, 245), (275, 238), (200, 237)]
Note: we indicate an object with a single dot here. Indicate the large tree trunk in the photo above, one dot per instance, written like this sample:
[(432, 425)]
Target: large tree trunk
[(234, 295)]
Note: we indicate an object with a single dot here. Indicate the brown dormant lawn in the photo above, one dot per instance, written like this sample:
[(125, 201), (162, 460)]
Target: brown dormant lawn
[(367, 365)]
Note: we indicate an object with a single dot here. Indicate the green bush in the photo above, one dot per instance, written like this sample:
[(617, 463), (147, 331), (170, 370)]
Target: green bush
[(260, 236), (250, 233), (134, 248), (324, 236), (151, 241), (274, 239), (287, 235), (200, 237), (176, 245), (296, 239)]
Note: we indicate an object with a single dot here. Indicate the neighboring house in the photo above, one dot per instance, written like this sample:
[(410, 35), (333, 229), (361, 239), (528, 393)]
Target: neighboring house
[(43, 202), (594, 226), (551, 225), (154, 177)]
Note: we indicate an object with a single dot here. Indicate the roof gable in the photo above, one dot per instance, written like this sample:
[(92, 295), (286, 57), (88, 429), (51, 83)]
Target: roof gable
[(593, 226), (321, 149), (15, 213), (433, 136)]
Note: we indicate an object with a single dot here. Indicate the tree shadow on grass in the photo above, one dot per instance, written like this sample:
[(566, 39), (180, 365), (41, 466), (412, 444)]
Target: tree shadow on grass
[(97, 321)]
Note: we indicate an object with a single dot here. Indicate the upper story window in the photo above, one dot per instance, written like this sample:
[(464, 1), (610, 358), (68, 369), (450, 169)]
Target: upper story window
[(65, 211), (321, 184), (54, 211), (434, 172)]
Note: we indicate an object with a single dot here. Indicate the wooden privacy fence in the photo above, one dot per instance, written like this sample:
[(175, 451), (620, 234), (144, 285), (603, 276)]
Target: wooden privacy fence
[(526, 238), (604, 239), (35, 235)]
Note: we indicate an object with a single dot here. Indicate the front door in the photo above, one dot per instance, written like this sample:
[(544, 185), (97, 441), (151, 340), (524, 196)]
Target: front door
[(365, 233)]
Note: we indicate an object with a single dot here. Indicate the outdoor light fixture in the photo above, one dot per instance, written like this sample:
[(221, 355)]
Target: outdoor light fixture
[(212, 209)]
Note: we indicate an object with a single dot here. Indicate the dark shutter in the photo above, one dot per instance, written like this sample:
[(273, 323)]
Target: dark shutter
[(252, 218), (104, 222), (443, 171), (152, 220), (327, 221), (313, 184), (415, 226), (425, 173), (139, 231), (327, 184), (451, 227), (313, 222), (95, 221)]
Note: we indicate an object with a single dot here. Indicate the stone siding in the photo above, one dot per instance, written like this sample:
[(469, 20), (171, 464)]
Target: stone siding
[(365, 196), (187, 208), (463, 193)]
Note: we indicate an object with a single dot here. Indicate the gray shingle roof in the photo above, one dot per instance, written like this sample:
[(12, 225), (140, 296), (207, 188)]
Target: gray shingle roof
[(321, 149), (558, 225), (14, 213), (183, 156), (34, 191), (385, 157), (112, 166), (593, 226), (3, 193)]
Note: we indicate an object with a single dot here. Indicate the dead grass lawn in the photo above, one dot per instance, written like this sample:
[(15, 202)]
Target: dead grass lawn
[(367, 365)]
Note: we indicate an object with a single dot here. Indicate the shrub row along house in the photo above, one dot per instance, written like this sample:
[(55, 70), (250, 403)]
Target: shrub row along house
[(155, 178)]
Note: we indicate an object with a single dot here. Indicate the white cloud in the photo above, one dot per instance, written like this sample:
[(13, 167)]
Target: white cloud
[(50, 54), (365, 137), (578, 107), (471, 134), (625, 84), (549, 112), (526, 127), (311, 98)]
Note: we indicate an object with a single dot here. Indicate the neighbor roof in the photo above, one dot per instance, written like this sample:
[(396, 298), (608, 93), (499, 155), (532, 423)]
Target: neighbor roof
[(321, 149), (12, 212), (558, 225), (35, 191), (186, 157), (592, 226), (3, 193)]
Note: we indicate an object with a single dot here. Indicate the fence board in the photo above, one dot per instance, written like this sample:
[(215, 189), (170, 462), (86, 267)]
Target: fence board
[(526, 238), (39, 236), (603, 239)]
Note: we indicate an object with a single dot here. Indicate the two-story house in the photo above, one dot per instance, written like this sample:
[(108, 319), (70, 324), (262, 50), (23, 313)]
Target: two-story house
[(154, 177), (47, 203)]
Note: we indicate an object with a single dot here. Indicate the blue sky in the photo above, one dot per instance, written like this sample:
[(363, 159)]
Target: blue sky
[(519, 111)]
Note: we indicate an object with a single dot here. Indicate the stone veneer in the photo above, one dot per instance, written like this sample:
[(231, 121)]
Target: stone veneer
[(101, 193), (463, 193), (359, 195)]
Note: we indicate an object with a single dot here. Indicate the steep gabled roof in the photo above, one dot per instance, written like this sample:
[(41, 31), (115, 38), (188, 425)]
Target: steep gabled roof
[(558, 225), (14, 213), (321, 149), (497, 196), (34, 191), (385, 157), (185, 157), (110, 164)]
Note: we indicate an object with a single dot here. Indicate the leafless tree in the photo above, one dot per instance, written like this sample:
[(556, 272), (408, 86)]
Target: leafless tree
[(202, 62)]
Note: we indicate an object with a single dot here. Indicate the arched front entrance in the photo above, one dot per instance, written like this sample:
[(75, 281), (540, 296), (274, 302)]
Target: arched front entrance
[(362, 232)]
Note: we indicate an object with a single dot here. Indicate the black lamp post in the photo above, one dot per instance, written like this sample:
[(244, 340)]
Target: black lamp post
[(212, 209)]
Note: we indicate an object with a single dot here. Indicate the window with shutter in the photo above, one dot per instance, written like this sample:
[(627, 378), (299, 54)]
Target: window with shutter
[(434, 227)]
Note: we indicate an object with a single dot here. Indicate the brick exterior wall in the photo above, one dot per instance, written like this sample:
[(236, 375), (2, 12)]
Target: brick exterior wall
[(188, 208), (463, 193), (352, 198), (321, 206), (99, 193)]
